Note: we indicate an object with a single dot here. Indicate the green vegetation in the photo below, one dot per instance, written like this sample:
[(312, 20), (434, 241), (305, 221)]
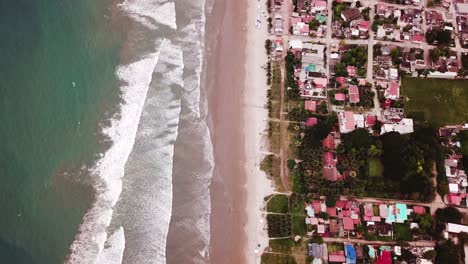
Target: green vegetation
[(271, 166), (334, 247), (296, 204), (444, 216), (282, 245), (277, 259), (274, 93), (375, 168), (442, 37), (463, 136), (338, 8), (299, 226), (278, 204), (447, 253), (367, 98), (279, 225), (440, 102), (438, 52), (401, 232), (291, 85)]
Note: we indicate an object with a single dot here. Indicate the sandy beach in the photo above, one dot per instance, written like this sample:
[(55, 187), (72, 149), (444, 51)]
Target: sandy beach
[(236, 84)]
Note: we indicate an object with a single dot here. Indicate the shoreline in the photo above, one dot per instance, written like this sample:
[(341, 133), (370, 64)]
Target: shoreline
[(236, 81)]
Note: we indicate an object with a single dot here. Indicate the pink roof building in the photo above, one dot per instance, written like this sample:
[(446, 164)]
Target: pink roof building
[(340, 97), (370, 120), (336, 258), (351, 71), (341, 80), (454, 199), (317, 206), (295, 20), (419, 210), (329, 142), (331, 174), (393, 91), (364, 25), (320, 82), (320, 229), (331, 211), (311, 121), (320, 5), (328, 159), (368, 209), (383, 210), (417, 38), (310, 105), (353, 94), (348, 223), (346, 121)]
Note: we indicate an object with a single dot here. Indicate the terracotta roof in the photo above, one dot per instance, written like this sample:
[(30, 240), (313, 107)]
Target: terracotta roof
[(310, 105), (353, 94), (348, 223), (329, 142), (419, 210), (311, 121)]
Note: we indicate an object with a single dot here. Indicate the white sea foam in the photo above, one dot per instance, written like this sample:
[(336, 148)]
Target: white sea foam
[(114, 248), (152, 12), (89, 242)]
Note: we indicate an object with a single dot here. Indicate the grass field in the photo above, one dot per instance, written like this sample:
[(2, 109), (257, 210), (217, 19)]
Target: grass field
[(299, 226), (375, 168), (278, 204), (277, 259), (401, 231), (437, 101)]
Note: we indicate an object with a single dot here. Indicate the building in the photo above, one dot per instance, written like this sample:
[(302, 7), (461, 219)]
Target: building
[(393, 91), (353, 92), (346, 121), (405, 126), (350, 14)]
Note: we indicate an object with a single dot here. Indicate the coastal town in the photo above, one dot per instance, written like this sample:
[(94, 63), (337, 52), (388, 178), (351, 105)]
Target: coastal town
[(367, 131)]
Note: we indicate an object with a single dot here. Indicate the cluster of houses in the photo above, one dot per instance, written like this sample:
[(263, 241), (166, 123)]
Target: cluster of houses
[(399, 24), (310, 18), (351, 25), (338, 221), (456, 176), (345, 217), (351, 254), (462, 24), (311, 71)]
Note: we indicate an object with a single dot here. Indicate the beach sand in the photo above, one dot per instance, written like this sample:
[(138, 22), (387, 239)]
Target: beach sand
[(236, 85)]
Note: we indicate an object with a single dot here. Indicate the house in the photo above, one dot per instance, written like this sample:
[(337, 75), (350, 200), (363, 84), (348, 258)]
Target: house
[(351, 71), (350, 14), (456, 228), (295, 45), (393, 73), (310, 105), (420, 210), (340, 97), (379, 228), (417, 38), (350, 253), (329, 170), (364, 25), (346, 121), (338, 257), (370, 120), (401, 213), (405, 126), (384, 258), (311, 121), (319, 6), (316, 250), (393, 91), (353, 94), (329, 142), (301, 29), (348, 223)]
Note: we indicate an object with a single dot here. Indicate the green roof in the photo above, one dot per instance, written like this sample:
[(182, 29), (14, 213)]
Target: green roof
[(321, 18)]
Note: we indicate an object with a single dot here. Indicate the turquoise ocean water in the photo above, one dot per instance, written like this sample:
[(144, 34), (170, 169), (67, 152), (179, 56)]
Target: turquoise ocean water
[(57, 82)]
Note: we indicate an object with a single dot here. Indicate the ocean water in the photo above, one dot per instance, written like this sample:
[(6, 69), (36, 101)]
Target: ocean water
[(57, 83), (106, 156)]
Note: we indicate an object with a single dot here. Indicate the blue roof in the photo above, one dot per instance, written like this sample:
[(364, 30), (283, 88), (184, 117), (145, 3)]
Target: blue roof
[(402, 214), (350, 254)]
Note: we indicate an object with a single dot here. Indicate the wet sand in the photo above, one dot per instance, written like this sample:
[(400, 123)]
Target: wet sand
[(236, 84), (225, 82)]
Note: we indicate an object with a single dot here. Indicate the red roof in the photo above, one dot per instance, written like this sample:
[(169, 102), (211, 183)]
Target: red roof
[(331, 173), (295, 20), (348, 223), (351, 71), (311, 121), (336, 258), (340, 97), (320, 3), (328, 159), (394, 89), (368, 209), (342, 81), (384, 258), (310, 105), (349, 120), (417, 38), (331, 211), (371, 120), (353, 94), (419, 210), (364, 25), (317, 207), (454, 199), (329, 142)]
